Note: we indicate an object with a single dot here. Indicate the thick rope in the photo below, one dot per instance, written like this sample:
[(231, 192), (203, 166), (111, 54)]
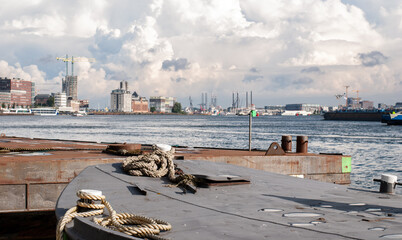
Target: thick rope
[(157, 164), (135, 225)]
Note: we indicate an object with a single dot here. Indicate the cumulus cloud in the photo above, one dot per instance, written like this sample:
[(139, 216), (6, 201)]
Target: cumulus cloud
[(252, 78), (253, 70), (372, 58), (179, 79), (311, 70), (278, 49), (175, 64)]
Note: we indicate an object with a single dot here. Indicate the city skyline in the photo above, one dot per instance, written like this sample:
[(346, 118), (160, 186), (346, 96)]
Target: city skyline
[(299, 52)]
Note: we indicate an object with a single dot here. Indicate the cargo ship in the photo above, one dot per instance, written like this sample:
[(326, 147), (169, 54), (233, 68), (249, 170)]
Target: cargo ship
[(355, 115)]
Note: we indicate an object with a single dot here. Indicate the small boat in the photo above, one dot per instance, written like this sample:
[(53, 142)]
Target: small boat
[(392, 118), (79, 114)]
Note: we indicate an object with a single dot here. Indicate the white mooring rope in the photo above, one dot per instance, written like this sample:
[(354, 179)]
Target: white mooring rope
[(135, 225)]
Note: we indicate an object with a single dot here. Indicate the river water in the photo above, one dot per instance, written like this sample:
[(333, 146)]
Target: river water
[(375, 148)]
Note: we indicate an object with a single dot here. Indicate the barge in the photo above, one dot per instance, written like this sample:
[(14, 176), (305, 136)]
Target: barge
[(34, 172), (354, 116), (235, 203)]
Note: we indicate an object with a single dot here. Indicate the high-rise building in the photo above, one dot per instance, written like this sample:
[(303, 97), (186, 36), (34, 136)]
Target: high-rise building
[(16, 92), (120, 99), (69, 86)]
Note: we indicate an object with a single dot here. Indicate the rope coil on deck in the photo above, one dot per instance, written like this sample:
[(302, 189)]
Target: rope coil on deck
[(156, 164), (131, 224)]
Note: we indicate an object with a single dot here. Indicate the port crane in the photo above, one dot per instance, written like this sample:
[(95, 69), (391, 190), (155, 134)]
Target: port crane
[(357, 94), (73, 60), (191, 103)]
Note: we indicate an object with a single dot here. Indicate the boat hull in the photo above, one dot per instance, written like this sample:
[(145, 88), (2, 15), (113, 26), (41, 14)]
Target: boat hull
[(353, 116)]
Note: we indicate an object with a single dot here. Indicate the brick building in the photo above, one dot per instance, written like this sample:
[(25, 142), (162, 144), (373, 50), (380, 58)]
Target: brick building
[(16, 92), (139, 104)]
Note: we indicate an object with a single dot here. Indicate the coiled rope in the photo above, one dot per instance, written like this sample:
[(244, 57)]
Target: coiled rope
[(156, 164), (135, 225)]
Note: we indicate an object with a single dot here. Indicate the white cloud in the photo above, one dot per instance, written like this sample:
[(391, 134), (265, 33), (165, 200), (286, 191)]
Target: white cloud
[(219, 40)]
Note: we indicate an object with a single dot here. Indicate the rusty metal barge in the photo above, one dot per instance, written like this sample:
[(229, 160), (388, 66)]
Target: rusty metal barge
[(234, 203), (34, 172)]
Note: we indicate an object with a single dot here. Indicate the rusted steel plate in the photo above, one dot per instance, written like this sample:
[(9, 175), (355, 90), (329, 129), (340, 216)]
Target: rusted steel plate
[(343, 178), (56, 167), (283, 164), (44, 196), (12, 197), (28, 143)]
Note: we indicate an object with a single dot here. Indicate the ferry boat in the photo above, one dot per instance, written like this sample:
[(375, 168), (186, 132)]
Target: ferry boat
[(12, 111), (392, 118), (45, 111)]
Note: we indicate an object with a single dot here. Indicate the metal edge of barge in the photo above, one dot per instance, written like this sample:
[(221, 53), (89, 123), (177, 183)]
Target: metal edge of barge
[(35, 171), (270, 206)]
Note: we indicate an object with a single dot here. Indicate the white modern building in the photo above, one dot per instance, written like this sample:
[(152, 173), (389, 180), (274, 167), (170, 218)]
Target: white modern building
[(162, 104), (120, 99), (60, 100), (301, 109)]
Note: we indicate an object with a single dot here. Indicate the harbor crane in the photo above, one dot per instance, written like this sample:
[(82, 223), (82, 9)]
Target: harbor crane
[(191, 103), (357, 94), (73, 60)]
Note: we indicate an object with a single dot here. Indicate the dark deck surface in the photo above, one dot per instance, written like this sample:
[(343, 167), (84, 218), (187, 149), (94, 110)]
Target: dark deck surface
[(271, 206)]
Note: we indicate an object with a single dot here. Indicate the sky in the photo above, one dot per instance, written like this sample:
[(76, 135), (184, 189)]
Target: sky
[(300, 51)]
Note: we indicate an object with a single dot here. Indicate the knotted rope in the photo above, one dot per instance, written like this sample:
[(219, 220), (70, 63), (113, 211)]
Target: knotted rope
[(157, 164), (135, 225)]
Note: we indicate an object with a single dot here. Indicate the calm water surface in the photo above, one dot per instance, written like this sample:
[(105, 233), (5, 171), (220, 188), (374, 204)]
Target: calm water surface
[(375, 148)]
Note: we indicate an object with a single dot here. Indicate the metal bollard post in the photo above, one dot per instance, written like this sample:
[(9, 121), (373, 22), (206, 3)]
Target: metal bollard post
[(287, 143), (388, 183), (301, 144)]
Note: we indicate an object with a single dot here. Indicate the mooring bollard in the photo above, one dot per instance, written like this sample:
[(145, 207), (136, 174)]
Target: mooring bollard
[(301, 144), (388, 183), (287, 143)]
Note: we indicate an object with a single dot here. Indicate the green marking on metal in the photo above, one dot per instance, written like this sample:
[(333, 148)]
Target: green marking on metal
[(346, 164)]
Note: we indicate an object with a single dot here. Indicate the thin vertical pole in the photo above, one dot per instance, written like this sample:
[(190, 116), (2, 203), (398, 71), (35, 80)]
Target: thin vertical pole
[(249, 131)]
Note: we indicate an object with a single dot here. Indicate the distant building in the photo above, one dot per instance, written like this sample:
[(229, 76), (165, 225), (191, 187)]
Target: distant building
[(398, 105), (5, 99), (74, 105), (16, 91), (303, 107), (84, 104), (69, 86), (120, 99), (366, 105), (60, 100), (274, 107), (383, 106), (139, 104), (162, 104), (41, 99), (353, 102)]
